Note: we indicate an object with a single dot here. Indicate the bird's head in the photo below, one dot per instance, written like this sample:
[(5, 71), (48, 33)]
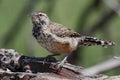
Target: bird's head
[(40, 18)]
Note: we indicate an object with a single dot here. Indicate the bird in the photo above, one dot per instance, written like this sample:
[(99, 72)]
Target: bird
[(58, 39)]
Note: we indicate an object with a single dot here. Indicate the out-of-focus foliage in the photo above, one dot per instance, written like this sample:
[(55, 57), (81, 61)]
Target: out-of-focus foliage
[(16, 26)]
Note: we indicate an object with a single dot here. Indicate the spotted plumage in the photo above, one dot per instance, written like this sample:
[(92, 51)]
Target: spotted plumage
[(61, 31), (58, 39)]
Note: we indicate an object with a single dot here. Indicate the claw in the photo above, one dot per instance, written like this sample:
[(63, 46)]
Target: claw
[(59, 66)]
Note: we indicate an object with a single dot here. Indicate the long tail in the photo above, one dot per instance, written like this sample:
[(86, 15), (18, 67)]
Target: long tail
[(88, 41)]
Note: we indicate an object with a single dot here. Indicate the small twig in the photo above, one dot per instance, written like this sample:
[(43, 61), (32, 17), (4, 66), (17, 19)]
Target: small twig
[(104, 66), (114, 5)]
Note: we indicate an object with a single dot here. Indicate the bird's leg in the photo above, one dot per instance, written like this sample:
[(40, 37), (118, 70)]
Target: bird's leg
[(59, 66)]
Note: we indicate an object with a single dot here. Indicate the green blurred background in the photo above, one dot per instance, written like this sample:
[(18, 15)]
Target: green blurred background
[(89, 17)]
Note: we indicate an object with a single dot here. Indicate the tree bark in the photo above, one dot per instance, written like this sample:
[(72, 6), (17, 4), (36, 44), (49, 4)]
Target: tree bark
[(15, 66)]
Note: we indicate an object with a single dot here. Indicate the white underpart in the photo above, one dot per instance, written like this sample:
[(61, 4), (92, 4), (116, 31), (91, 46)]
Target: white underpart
[(110, 43), (102, 43)]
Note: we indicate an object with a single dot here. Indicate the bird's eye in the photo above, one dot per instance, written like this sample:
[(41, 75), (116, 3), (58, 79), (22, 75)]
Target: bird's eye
[(40, 14)]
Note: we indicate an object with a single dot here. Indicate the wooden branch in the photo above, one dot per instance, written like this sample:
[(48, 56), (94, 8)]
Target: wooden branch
[(49, 76), (102, 67), (15, 66)]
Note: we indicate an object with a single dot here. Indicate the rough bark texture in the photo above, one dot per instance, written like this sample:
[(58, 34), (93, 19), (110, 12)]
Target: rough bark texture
[(14, 66), (50, 76)]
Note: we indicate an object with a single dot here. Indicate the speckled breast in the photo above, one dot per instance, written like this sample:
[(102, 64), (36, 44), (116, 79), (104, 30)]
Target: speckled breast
[(51, 44), (56, 47)]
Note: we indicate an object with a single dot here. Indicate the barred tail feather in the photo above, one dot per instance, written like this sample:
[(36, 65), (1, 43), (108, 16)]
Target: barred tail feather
[(88, 41)]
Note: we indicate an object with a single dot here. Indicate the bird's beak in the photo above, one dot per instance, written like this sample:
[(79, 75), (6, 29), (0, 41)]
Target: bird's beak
[(32, 14)]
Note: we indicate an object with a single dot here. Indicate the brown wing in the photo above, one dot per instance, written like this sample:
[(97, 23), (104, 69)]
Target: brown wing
[(62, 31)]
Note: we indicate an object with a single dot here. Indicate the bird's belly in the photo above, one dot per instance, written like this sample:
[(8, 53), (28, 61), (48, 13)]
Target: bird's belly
[(57, 47)]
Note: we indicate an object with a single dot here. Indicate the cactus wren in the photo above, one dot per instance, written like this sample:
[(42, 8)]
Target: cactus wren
[(58, 39)]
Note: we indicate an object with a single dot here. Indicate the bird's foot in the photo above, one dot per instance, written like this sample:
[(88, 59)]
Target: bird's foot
[(59, 66)]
